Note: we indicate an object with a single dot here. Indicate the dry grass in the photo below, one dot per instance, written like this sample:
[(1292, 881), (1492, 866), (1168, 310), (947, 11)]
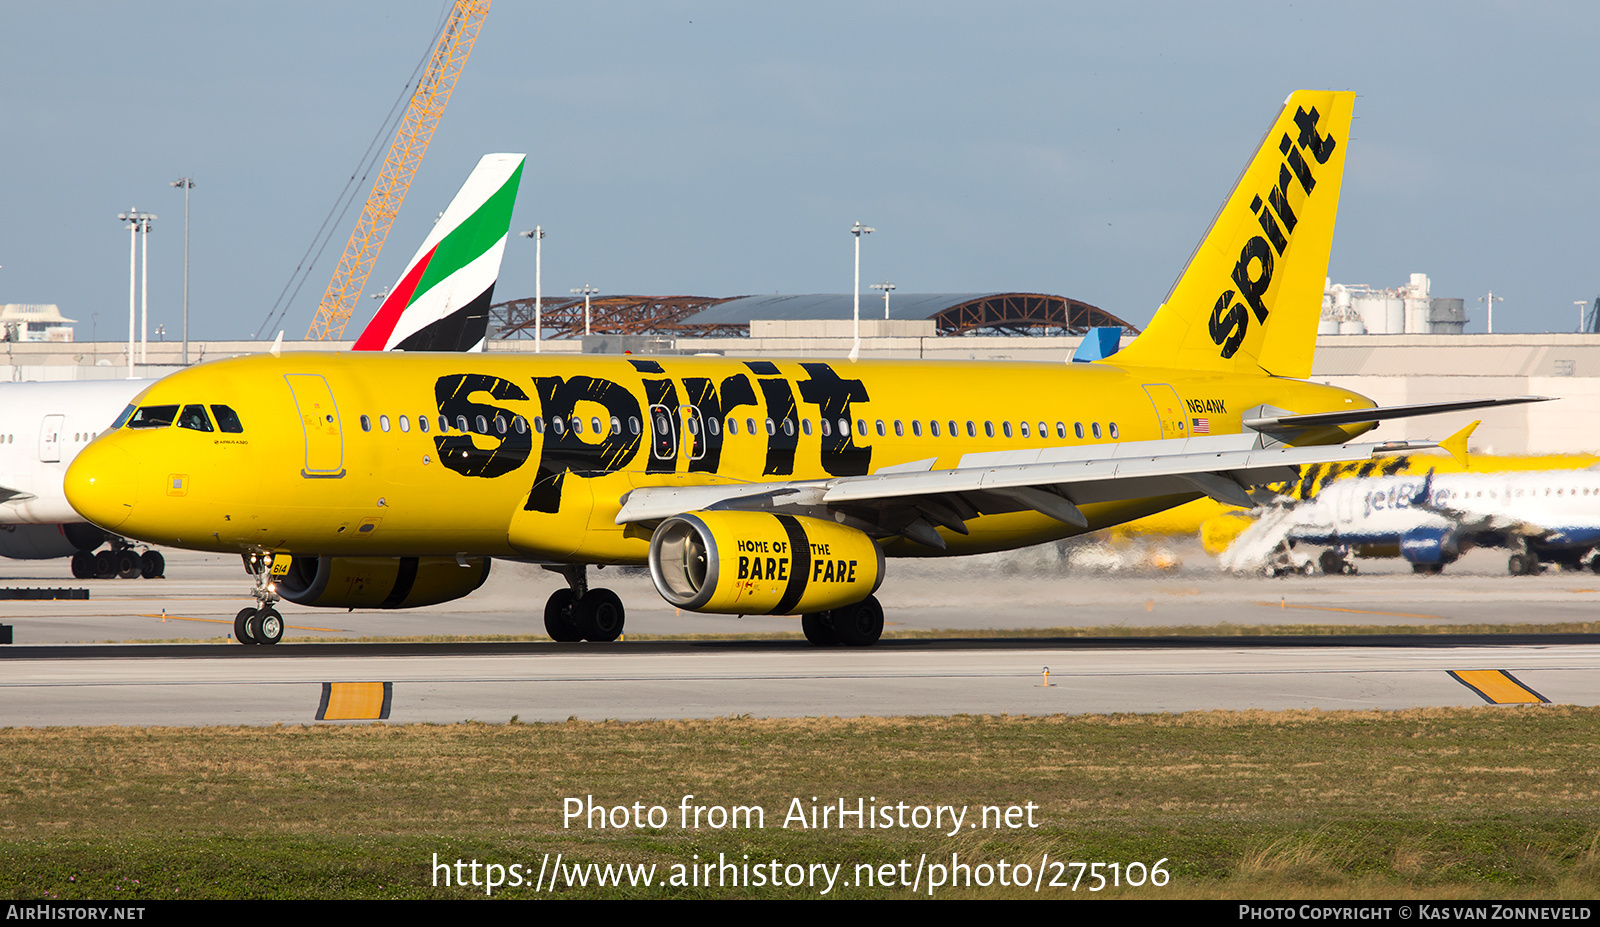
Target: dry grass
[(1494, 801)]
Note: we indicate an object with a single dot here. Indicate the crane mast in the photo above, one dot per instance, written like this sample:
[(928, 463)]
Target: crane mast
[(405, 154)]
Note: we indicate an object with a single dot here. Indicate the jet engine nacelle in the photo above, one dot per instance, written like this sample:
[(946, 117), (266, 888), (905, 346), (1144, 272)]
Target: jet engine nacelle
[(380, 582), (1430, 545), (759, 563), (46, 542)]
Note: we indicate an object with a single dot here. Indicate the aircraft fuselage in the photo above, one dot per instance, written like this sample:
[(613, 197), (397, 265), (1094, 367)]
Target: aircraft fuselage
[(531, 457)]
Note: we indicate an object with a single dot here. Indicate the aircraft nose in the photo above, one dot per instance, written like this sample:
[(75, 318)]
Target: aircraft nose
[(101, 484)]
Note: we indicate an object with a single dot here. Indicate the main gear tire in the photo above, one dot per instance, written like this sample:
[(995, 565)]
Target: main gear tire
[(818, 628), (601, 615), (561, 618), (861, 624)]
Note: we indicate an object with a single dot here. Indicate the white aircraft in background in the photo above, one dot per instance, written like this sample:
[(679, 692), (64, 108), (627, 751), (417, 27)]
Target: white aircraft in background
[(1538, 516), (440, 303)]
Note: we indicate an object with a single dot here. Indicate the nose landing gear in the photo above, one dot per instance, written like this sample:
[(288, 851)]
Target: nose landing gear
[(263, 624)]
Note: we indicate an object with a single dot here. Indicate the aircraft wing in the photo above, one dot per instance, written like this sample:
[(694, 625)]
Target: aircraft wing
[(910, 499)]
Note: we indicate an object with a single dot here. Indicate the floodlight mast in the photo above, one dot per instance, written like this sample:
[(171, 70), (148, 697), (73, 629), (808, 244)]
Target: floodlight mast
[(537, 234), (137, 222), (858, 230), (887, 288), (586, 291), (187, 185)]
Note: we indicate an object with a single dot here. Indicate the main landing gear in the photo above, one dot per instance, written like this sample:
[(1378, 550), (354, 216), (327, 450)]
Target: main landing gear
[(263, 624), (579, 613), (858, 625), (120, 559)]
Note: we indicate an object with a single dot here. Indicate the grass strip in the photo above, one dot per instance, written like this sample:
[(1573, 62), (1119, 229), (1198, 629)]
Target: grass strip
[(1491, 802)]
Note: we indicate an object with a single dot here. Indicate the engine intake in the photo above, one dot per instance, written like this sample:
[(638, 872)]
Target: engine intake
[(380, 582), (759, 563)]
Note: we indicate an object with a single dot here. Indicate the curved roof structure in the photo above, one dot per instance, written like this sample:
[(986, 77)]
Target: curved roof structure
[(690, 316)]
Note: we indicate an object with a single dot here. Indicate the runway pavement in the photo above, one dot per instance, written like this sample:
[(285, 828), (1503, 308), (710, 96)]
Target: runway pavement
[(144, 685)]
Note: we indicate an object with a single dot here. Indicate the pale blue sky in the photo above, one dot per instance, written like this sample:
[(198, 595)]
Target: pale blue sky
[(720, 149)]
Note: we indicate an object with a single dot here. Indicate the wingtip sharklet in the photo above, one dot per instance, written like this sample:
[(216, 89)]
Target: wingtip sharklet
[(1456, 444)]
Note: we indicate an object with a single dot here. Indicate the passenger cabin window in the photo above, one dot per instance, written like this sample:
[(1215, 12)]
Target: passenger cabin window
[(422, 423), (1077, 429), (1113, 431), (988, 429), (194, 417), (383, 422), (405, 423), (153, 417), (227, 420), (1095, 429), (366, 423)]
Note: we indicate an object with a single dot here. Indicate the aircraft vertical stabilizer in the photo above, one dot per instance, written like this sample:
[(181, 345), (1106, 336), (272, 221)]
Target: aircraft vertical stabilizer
[(441, 302), (1251, 295)]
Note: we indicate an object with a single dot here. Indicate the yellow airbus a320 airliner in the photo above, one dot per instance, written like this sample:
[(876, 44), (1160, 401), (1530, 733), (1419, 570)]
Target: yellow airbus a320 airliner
[(390, 480)]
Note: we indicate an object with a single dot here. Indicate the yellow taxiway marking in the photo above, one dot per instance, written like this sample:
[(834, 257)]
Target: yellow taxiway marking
[(291, 627), (355, 701), (1353, 611), (1498, 687)]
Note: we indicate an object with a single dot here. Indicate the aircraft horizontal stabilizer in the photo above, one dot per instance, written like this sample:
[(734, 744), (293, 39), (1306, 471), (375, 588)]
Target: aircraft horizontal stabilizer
[(7, 494), (1288, 424)]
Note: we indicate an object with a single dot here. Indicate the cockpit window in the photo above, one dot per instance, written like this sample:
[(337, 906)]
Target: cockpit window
[(227, 420), (153, 417), (123, 418), (194, 417)]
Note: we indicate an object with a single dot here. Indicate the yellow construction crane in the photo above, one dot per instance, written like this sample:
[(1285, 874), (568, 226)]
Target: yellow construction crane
[(405, 153)]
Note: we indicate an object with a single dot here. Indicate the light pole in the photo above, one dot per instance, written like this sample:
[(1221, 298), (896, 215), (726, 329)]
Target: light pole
[(137, 222), (858, 230), (1582, 304), (887, 288), (187, 185), (587, 289), (1489, 301), (537, 234)]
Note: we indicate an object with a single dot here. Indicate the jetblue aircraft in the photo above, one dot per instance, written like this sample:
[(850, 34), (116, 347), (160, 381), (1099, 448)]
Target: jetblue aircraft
[(1537, 516)]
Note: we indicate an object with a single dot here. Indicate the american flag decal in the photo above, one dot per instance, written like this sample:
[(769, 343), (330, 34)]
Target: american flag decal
[(1202, 426)]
